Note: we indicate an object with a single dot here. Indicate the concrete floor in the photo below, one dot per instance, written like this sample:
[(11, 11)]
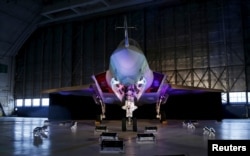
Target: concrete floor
[(16, 137)]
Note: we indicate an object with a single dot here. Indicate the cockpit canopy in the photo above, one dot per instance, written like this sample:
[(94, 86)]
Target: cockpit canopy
[(132, 42)]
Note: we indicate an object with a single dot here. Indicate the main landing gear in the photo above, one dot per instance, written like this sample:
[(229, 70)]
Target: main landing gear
[(129, 107), (160, 114), (102, 116)]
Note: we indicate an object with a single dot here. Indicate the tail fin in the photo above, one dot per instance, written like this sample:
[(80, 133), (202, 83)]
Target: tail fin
[(126, 32), (125, 27)]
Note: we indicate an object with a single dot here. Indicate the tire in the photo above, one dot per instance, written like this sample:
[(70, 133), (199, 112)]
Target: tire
[(163, 117), (98, 120), (124, 128), (134, 125)]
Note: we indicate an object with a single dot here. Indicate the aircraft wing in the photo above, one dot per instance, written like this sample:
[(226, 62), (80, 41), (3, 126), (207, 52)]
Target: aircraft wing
[(179, 89), (159, 88), (81, 90), (98, 89), (101, 88), (173, 90)]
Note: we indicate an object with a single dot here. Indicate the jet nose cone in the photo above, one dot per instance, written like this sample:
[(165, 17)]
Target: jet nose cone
[(127, 59)]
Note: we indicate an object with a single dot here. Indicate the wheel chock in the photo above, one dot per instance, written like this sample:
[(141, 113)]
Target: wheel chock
[(108, 136), (146, 138), (101, 129), (112, 146), (150, 129)]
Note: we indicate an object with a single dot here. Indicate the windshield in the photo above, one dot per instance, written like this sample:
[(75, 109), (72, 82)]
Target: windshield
[(131, 43)]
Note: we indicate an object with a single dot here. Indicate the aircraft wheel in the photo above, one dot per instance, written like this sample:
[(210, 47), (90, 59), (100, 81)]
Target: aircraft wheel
[(163, 117), (134, 125), (98, 120), (124, 128)]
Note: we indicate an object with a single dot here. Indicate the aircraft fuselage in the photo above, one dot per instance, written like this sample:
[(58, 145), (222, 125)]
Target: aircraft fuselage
[(129, 69)]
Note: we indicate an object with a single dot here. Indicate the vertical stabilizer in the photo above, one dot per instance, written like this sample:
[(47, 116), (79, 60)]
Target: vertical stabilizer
[(126, 32), (125, 27)]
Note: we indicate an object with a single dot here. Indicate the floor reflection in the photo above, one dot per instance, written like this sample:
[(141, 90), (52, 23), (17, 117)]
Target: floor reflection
[(17, 137), (24, 136), (235, 129), (37, 141)]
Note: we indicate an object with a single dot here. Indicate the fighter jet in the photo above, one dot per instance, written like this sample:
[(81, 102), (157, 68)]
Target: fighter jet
[(129, 81)]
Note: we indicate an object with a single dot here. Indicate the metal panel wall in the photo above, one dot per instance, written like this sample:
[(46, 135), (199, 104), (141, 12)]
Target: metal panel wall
[(246, 29), (195, 44), (198, 44)]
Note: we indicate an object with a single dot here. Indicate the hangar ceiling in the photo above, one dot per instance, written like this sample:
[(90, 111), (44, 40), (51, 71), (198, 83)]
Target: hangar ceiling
[(19, 19)]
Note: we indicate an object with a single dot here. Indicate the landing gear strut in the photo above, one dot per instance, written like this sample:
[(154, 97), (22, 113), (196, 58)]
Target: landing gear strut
[(160, 114), (102, 116), (129, 107)]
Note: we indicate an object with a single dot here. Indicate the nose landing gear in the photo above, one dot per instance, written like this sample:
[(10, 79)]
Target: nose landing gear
[(129, 122)]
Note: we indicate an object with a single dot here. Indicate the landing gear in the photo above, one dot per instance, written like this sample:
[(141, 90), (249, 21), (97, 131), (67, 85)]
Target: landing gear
[(129, 106), (134, 125), (163, 119), (124, 124), (160, 114), (102, 116), (98, 120), (128, 122)]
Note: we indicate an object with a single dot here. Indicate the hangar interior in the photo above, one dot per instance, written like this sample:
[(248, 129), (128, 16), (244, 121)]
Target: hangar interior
[(51, 44)]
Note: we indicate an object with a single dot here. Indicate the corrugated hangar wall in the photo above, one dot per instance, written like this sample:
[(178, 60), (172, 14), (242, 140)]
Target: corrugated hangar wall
[(199, 43)]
